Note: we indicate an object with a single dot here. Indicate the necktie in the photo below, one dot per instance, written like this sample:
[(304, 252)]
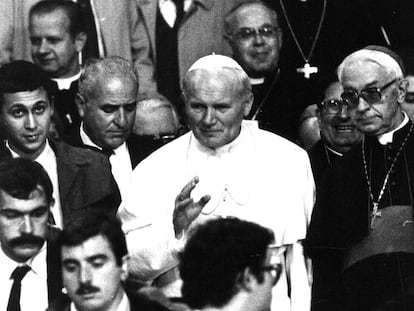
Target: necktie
[(91, 49), (14, 298)]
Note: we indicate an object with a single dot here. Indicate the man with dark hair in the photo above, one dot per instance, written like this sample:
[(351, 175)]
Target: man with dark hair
[(26, 259), (94, 260), (229, 264), (57, 36), (80, 177)]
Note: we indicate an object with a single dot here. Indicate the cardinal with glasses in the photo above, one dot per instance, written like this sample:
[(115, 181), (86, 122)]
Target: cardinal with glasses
[(365, 207)]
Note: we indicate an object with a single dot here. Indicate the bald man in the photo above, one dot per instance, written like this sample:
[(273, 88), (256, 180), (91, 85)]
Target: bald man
[(228, 167)]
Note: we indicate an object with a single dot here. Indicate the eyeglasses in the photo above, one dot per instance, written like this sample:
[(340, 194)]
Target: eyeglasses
[(409, 97), (371, 95), (247, 34), (275, 271), (333, 105)]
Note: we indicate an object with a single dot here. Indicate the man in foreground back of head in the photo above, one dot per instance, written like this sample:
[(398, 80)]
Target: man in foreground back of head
[(29, 271), (229, 264), (228, 167), (94, 261)]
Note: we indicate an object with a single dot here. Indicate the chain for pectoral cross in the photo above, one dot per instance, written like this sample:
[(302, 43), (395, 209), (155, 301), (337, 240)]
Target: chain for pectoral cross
[(307, 69), (375, 204)]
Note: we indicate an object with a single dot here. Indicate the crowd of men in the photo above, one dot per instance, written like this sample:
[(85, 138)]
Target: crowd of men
[(176, 155)]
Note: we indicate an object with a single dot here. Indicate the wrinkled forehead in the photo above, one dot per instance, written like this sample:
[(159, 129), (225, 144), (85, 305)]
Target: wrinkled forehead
[(254, 15)]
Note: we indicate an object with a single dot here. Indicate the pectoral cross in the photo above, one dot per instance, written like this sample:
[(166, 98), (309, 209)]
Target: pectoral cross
[(374, 214), (307, 70)]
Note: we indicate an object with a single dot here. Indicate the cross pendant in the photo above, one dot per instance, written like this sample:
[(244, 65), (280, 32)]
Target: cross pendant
[(374, 214), (307, 70)]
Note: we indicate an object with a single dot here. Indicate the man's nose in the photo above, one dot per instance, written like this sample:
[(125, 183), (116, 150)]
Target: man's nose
[(362, 104), (258, 39), (30, 122), (26, 226), (85, 275), (121, 117), (344, 112), (44, 47), (209, 116)]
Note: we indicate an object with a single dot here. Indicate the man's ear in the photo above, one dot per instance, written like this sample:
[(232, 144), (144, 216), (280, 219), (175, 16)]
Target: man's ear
[(124, 268), (80, 104), (80, 41), (246, 281), (248, 104), (402, 89)]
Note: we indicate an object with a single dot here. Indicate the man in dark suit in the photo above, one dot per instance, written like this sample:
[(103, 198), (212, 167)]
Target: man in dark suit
[(106, 102), (80, 177), (27, 260), (94, 261)]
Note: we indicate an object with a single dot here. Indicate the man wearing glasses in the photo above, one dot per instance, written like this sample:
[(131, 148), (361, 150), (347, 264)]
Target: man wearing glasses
[(365, 207), (253, 32), (230, 264)]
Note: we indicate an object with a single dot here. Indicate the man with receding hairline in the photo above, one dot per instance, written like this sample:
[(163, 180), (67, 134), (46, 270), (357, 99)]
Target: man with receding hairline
[(228, 167)]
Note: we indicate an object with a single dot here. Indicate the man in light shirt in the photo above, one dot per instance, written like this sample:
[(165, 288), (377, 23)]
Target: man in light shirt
[(80, 177), (228, 167), (27, 243)]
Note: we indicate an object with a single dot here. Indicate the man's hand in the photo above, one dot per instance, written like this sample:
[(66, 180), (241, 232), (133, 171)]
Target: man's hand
[(186, 210)]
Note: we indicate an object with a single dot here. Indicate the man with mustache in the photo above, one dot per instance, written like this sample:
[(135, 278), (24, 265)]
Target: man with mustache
[(255, 36), (94, 261), (365, 208), (107, 98), (27, 247), (26, 109)]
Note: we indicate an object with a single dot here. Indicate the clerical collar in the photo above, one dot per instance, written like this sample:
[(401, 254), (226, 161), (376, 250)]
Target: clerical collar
[(86, 140), (387, 138), (256, 81), (64, 83)]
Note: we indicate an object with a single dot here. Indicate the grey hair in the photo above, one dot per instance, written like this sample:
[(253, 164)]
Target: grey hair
[(385, 61), (104, 68)]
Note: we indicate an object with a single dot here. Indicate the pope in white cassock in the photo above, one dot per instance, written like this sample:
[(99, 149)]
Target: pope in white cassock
[(224, 167)]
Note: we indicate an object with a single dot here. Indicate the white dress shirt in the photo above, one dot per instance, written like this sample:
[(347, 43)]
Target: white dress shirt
[(34, 294), (48, 160), (64, 83), (169, 11), (121, 166)]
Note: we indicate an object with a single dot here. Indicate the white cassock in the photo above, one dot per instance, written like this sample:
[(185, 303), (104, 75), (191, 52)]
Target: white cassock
[(259, 177)]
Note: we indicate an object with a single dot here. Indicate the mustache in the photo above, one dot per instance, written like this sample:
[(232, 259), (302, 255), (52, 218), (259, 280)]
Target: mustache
[(86, 289), (26, 239)]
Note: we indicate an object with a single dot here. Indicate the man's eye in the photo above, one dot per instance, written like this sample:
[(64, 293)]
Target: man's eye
[(109, 108), (98, 263), (10, 214), (197, 107), (35, 41), (54, 40), (69, 267), (130, 107), (222, 108), (17, 113), (39, 109), (39, 212)]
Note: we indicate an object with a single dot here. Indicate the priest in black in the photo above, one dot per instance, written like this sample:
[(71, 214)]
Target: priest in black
[(365, 206), (255, 36)]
